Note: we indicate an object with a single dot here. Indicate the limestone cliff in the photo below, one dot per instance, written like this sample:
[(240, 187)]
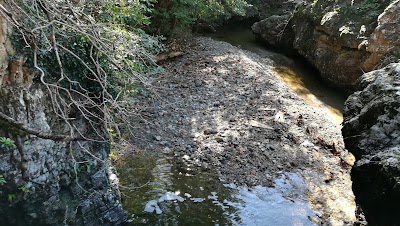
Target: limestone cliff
[(342, 39), (46, 180)]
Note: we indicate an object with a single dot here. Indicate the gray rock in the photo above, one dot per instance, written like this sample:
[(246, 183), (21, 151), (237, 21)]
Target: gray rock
[(372, 133), (210, 131), (273, 30)]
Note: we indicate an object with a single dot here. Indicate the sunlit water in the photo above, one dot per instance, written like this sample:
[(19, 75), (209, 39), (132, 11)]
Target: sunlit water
[(299, 75), (160, 194)]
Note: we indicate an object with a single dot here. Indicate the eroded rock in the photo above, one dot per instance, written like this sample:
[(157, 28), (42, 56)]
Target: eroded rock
[(342, 39), (53, 182), (372, 132)]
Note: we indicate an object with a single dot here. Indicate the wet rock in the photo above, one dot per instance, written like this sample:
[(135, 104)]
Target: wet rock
[(372, 132), (203, 28)]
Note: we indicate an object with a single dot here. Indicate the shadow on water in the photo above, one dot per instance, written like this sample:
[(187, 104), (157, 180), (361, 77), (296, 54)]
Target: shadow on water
[(160, 192), (297, 73)]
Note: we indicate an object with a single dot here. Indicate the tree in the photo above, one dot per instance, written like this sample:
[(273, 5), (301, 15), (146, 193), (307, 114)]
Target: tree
[(169, 14)]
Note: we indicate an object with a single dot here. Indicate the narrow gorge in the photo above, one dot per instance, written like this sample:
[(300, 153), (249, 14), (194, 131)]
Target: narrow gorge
[(265, 113)]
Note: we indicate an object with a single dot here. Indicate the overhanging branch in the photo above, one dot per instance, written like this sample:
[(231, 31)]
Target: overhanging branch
[(40, 134)]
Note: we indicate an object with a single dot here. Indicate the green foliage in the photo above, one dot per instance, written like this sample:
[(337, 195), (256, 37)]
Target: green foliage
[(91, 57), (24, 188), (369, 5), (130, 14), (11, 197), (171, 13), (2, 180), (7, 143)]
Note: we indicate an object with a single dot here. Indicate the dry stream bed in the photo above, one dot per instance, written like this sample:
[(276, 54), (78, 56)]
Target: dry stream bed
[(223, 140)]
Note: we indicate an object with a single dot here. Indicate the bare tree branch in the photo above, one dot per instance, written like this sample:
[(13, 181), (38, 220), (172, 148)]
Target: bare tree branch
[(41, 134)]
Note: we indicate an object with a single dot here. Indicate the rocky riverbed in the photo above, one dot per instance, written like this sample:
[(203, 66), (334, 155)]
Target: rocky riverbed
[(224, 110)]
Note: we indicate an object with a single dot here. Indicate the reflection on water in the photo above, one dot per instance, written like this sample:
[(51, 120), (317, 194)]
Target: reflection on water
[(155, 192), (162, 195), (313, 91), (283, 204), (298, 76)]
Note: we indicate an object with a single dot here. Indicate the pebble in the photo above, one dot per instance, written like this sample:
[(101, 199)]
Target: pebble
[(210, 131)]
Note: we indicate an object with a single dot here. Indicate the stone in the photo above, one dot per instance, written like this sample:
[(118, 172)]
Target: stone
[(50, 194), (271, 30), (210, 131), (371, 131)]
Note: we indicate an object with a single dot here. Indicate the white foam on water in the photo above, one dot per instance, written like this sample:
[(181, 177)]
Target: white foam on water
[(151, 206)]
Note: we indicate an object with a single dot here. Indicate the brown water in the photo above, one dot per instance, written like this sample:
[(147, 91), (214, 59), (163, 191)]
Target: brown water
[(296, 73)]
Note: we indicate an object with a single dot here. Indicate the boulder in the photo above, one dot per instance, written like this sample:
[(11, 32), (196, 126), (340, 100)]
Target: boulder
[(371, 131), (276, 35)]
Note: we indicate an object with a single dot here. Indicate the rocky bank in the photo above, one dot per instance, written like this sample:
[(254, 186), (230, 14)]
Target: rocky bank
[(47, 181), (342, 39), (223, 109), (372, 132)]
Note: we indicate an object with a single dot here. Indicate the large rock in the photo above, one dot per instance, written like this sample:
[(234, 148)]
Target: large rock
[(342, 39), (274, 28), (55, 183), (372, 133), (277, 33)]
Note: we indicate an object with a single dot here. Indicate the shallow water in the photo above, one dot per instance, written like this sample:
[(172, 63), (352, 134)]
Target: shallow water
[(298, 75), (161, 194), (165, 195)]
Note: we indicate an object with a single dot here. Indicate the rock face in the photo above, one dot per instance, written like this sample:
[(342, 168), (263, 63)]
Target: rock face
[(44, 182), (277, 33), (341, 39), (372, 132), (272, 29)]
